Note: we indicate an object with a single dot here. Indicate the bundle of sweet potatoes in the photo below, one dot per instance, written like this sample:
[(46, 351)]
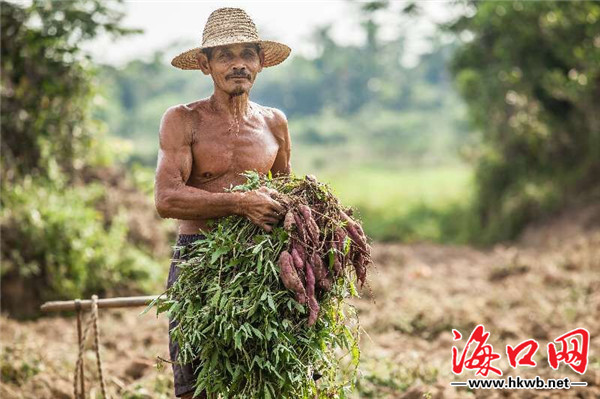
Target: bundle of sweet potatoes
[(235, 321), (324, 241)]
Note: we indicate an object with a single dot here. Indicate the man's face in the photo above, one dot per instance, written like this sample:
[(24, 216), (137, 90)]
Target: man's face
[(234, 67)]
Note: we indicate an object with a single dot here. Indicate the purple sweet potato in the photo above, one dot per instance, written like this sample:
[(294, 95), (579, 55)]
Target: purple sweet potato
[(300, 249), (313, 310), (290, 277), (300, 227), (313, 305), (338, 267), (358, 239), (297, 258), (359, 262), (311, 225), (321, 277), (289, 222), (339, 238), (361, 232)]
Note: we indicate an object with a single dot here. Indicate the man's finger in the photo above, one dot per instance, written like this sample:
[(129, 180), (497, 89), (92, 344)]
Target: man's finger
[(270, 191), (271, 219), (266, 227), (274, 214), (277, 207)]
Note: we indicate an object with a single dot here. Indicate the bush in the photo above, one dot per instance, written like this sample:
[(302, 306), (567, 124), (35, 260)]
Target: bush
[(56, 245)]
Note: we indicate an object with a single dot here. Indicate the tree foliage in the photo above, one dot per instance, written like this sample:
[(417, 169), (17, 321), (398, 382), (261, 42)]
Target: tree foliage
[(46, 85), (61, 236), (530, 73)]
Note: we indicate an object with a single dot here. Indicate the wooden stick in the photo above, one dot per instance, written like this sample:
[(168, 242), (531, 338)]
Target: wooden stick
[(122, 302), (79, 338)]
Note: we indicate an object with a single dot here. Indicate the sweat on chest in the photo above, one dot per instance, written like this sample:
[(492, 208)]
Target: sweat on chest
[(226, 152)]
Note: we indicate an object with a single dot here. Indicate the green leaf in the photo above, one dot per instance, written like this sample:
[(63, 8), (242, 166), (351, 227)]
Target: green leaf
[(217, 254), (238, 339), (271, 303)]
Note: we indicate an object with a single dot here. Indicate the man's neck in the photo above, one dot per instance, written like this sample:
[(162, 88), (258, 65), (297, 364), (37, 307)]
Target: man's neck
[(234, 106)]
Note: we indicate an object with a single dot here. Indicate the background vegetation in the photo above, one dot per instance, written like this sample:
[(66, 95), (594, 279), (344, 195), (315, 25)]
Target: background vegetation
[(67, 228), (530, 74)]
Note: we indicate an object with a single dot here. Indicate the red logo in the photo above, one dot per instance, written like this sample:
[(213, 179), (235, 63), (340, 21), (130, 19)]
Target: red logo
[(574, 352), (576, 358), (526, 360), (482, 357)]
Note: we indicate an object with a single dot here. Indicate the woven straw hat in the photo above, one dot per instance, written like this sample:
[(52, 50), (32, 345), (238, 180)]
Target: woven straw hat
[(231, 26)]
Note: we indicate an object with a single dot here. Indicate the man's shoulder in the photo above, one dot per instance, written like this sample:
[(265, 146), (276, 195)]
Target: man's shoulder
[(191, 108), (185, 115), (177, 122), (274, 117), (175, 113)]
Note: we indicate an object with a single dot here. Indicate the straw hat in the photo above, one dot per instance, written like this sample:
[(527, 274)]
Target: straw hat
[(231, 26)]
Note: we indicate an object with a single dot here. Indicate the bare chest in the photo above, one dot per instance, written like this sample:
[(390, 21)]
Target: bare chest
[(223, 150)]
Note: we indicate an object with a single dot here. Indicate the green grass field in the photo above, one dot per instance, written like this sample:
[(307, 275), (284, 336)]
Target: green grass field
[(407, 204)]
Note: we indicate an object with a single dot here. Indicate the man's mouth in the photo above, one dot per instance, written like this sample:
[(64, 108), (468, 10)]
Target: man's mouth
[(239, 77)]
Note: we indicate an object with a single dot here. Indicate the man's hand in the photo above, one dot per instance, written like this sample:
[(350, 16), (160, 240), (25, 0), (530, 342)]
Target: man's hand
[(261, 208)]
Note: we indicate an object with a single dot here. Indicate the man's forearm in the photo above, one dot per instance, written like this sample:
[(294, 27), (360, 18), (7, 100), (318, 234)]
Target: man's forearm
[(193, 203)]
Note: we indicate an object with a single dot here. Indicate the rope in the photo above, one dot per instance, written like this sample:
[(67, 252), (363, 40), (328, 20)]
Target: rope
[(92, 322)]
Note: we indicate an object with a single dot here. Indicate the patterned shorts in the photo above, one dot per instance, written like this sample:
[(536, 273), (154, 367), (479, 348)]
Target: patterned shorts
[(183, 375)]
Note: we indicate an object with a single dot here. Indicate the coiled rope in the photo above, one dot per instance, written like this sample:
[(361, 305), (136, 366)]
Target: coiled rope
[(92, 322)]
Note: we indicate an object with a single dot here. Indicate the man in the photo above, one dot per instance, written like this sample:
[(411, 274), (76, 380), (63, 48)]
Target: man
[(206, 144)]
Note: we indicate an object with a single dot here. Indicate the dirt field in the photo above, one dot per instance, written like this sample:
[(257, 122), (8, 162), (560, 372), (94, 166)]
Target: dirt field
[(541, 287)]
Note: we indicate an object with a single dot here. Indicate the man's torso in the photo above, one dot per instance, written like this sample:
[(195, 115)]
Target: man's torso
[(223, 147)]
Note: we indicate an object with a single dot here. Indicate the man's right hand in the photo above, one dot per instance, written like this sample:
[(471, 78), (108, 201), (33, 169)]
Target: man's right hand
[(262, 210)]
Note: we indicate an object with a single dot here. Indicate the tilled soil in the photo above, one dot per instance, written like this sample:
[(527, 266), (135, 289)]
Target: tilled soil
[(541, 287)]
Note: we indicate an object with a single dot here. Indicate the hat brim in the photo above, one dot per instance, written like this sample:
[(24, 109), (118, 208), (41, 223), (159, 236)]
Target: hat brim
[(275, 53)]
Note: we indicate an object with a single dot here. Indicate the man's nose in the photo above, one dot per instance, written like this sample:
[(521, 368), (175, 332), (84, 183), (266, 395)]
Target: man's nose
[(239, 69)]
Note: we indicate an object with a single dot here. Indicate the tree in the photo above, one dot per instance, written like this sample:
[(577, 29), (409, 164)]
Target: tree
[(530, 73), (46, 84), (62, 235)]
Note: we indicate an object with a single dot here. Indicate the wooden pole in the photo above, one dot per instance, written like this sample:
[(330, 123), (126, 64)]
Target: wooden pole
[(122, 302), (79, 338)]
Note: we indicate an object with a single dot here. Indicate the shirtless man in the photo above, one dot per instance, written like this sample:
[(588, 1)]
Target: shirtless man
[(206, 144)]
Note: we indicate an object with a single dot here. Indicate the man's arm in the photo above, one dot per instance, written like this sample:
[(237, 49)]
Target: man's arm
[(174, 199), (279, 126)]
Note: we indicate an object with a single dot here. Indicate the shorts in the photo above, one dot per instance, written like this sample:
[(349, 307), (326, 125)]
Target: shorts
[(184, 377)]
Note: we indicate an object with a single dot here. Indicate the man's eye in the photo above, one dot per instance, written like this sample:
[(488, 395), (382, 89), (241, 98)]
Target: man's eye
[(248, 54)]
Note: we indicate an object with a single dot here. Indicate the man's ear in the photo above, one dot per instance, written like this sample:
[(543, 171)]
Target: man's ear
[(203, 63), (261, 57)]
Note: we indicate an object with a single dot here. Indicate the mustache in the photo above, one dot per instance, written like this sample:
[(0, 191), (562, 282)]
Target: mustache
[(238, 75)]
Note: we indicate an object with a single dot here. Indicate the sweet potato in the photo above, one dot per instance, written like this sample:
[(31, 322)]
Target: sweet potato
[(359, 262), (358, 239), (313, 305), (289, 222), (321, 276), (311, 225), (290, 277), (338, 267), (300, 227), (298, 262), (339, 238), (361, 232), (300, 249)]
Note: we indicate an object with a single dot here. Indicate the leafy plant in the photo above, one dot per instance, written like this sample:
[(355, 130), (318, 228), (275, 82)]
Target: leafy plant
[(57, 245), (244, 332)]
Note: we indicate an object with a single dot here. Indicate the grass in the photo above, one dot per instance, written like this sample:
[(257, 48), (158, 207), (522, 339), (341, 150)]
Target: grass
[(409, 204)]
